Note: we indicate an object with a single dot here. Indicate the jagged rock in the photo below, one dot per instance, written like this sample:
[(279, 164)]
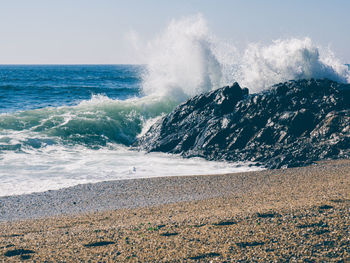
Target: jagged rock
[(291, 124)]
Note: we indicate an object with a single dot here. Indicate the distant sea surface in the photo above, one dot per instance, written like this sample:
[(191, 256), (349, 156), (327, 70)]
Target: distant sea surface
[(62, 125), (38, 86)]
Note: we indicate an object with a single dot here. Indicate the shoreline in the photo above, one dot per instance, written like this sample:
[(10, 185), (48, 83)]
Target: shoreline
[(295, 213), (122, 194)]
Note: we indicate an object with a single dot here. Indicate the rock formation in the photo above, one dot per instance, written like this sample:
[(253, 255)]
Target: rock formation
[(291, 124)]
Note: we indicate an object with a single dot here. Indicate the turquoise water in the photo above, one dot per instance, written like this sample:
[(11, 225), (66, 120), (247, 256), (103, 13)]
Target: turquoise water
[(86, 105), (66, 125)]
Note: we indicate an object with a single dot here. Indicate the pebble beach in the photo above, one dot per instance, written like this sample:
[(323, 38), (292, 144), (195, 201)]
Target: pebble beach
[(282, 215)]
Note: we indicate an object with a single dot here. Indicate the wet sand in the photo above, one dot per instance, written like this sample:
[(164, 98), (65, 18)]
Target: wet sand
[(297, 214)]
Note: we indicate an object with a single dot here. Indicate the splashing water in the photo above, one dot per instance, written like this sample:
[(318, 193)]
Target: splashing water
[(290, 59), (181, 63), (187, 60), (72, 139)]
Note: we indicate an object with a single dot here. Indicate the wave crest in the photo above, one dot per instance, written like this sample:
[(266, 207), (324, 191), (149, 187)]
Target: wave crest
[(94, 123), (186, 60), (291, 59), (181, 62)]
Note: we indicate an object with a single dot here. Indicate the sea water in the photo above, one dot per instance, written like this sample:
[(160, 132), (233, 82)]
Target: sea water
[(63, 125)]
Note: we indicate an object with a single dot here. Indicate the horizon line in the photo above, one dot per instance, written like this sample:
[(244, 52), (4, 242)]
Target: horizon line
[(83, 64), (63, 64)]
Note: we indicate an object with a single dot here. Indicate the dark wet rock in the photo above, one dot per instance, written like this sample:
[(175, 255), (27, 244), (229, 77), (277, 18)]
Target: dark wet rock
[(99, 244), (203, 256), (18, 252), (169, 234), (324, 207), (291, 124), (267, 215), (225, 223), (199, 225)]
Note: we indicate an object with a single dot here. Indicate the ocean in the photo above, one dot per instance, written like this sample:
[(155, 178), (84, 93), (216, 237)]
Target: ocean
[(63, 125)]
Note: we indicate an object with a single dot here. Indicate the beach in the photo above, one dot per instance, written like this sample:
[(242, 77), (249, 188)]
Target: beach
[(175, 131), (294, 214)]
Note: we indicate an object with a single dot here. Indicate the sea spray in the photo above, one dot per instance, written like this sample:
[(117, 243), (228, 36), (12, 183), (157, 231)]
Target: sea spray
[(291, 59), (187, 60), (82, 118), (181, 62)]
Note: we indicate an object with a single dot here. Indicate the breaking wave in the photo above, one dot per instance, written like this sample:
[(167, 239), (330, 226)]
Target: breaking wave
[(92, 123), (54, 147), (186, 60), (183, 61)]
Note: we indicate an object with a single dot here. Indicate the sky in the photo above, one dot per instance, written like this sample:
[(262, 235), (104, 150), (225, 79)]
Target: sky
[(96, 31)]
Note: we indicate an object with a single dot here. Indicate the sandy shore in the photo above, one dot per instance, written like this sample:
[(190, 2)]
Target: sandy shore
[(299, 214)]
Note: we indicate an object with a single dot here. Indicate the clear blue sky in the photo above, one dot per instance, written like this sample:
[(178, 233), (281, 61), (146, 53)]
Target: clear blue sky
[(93, 31)]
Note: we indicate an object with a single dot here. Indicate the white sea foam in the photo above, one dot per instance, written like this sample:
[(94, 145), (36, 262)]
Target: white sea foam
[(186, 60), (64, 146), (291, 59), (57, 166), (181, 62), (52, 148)]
